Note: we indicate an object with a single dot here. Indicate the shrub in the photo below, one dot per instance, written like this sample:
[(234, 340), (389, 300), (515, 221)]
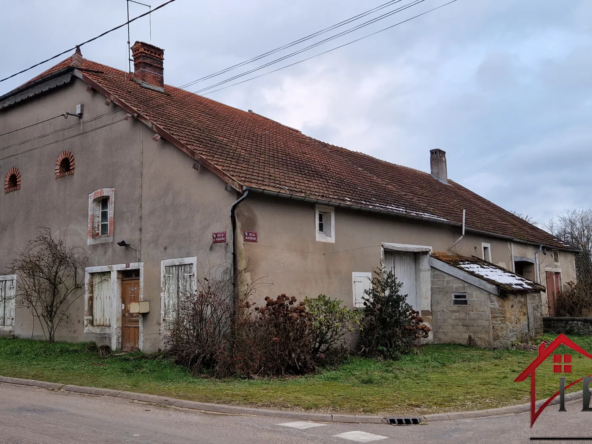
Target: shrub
[(390, 326), (274, 340), (202, 326), (575, 300), (331, 322)]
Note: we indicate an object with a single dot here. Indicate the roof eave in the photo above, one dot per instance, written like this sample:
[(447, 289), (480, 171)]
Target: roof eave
[(393, 213)]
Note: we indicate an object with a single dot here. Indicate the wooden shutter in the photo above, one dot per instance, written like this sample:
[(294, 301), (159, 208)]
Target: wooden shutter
[(178, 285), (361, 282), (102, 296), (7, 302)]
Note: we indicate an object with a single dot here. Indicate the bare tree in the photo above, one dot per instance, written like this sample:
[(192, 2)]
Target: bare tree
[(48, 272), (527, 217), (575, 228)]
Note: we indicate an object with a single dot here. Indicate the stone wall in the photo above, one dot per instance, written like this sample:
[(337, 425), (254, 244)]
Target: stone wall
[(454, 323), (491, 321), (581, 326)]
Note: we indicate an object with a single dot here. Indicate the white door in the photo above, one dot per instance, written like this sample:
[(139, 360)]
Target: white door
[(403, 264)]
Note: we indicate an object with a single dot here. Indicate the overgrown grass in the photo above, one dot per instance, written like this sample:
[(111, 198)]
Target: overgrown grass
[(440, 378)]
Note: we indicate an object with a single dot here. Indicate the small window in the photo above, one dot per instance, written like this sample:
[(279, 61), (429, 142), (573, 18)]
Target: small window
[(12, 181), (7, 301), (459, 299), (486, 252), (325, 224), (64, 165), (556, 256), (104, 216), (100, 218)]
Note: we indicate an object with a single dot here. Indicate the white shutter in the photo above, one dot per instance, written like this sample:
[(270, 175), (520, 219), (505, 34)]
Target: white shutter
[(178, 285), (405, 273), (361, 282), (7, 301), (102, 296)]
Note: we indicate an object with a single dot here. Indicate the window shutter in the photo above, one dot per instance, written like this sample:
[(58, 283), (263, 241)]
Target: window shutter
[(361, 282), (102, 296), (179, 284), (7, 302)]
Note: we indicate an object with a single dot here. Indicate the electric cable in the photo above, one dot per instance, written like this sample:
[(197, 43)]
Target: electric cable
[(87, 41), (66, 138), (328, 39), (29, 126), (296, 42), (333, 49), (59, 130)]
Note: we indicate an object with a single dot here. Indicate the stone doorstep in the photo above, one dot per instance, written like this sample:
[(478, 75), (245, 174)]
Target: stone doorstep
[(249, 411)]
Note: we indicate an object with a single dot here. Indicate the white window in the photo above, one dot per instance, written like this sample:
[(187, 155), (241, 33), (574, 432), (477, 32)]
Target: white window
[(178, 283), (361, 282), (325, 223), (486, 252), (99, 300), (100, 216), (460, 299), (7, 301)]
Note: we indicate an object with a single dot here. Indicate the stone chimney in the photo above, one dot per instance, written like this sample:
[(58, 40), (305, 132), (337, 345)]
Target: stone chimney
[(148, 64), (438, 165)]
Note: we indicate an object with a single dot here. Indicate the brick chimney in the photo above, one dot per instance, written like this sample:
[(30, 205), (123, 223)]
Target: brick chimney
[(438, 165), (148, 64)]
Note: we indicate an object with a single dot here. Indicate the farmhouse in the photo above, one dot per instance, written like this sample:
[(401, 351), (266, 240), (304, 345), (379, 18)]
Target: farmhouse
[(160, 186)]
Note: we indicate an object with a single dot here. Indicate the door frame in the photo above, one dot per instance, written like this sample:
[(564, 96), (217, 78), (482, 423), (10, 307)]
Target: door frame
[(116, 325)]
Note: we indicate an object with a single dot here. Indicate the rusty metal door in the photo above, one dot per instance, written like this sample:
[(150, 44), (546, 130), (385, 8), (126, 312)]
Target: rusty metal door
[(130, 323)]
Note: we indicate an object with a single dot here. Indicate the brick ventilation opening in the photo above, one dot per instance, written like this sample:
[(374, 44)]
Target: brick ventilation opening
[(64, 165), (12, 181)]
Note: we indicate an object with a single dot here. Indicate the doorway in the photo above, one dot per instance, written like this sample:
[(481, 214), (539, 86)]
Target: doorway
[(403, 265), (553, 289), (130, 322)]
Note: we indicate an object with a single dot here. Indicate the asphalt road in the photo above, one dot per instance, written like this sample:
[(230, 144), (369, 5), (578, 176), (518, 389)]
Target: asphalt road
[(37, 416)]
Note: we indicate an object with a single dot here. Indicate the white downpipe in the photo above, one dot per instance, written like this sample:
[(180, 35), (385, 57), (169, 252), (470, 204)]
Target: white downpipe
[(463, 231)]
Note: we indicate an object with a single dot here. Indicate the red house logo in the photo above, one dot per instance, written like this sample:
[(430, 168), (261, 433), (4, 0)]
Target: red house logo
[(562, 364)]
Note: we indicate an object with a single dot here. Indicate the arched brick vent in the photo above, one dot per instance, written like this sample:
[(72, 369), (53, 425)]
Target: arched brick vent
[(64, 165), (12, 182)]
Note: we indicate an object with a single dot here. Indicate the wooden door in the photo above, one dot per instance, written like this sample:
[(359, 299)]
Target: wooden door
[(130, 323), (553, 288), (403, 265)]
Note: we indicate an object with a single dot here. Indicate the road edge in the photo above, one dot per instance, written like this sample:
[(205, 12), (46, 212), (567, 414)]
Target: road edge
[(302, 416)]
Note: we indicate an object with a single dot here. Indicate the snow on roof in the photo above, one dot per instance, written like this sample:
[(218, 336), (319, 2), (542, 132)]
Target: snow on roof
[(497, 275)]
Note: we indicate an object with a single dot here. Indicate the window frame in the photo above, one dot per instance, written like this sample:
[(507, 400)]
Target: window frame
[(95, 213), (322, 236), (6, 278), (464, 298), (485, 245)]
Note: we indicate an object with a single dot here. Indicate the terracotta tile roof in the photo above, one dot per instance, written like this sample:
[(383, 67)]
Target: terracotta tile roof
[(260, 153), (505, 280)]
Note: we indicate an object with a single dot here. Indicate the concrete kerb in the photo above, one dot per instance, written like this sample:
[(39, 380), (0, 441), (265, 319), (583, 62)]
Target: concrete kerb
[(248, 411)]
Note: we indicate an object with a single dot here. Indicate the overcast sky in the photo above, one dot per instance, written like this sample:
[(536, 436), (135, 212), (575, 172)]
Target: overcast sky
[(503, 86)]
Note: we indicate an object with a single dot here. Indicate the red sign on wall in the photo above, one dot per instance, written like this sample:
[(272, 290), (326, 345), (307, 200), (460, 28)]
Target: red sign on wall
[(250, 236), (219, 238)]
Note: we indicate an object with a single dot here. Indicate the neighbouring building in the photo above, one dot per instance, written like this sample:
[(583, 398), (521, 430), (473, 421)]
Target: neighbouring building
[(161, 186)]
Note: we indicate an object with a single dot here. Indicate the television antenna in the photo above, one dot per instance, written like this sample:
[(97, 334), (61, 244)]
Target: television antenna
[(129, 48)]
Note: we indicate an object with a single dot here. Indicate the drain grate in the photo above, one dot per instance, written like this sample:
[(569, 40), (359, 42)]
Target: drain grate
[(404, 421)]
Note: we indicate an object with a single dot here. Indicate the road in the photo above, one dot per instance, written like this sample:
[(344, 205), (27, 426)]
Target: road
[(37, 416)]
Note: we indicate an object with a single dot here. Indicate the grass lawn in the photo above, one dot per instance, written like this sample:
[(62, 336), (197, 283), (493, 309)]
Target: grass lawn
[(440, 378)]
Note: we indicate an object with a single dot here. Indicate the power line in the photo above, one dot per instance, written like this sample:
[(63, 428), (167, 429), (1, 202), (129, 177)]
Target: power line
[(88, 41), (328, 39), (333, 49), (66, 138), (61, 130), (29, 126), (296, 42)]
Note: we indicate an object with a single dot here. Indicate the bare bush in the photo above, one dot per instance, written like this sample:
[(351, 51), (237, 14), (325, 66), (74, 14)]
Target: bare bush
[(575, 300), (48, 272)]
